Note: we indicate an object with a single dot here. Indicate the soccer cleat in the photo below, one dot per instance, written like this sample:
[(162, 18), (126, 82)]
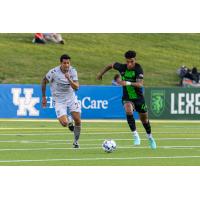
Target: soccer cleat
[(152, 143), (71, 126), (136, 139), (75, 145)]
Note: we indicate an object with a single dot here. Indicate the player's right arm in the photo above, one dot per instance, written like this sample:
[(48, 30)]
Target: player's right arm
[(105, 69), (44, 83), (48, 78)]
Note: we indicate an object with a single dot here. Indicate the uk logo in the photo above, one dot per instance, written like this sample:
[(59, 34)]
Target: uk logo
[(26, 104)]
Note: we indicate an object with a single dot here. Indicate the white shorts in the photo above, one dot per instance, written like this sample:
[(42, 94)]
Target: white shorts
[(62, 108)]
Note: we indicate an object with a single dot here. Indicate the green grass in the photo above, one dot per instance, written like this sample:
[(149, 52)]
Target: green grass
[(159, 54), (47, 143)]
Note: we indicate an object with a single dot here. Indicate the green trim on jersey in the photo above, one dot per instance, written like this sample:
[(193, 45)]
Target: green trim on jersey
[(144, 107)]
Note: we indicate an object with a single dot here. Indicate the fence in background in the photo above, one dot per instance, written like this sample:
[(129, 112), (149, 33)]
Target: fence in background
[(24, 101), (173, 103), (100, 102)]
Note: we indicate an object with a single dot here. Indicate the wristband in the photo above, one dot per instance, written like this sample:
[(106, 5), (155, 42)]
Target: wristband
[(128, 83)]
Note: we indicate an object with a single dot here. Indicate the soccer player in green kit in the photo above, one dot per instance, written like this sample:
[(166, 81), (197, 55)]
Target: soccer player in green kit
[(133, 98)]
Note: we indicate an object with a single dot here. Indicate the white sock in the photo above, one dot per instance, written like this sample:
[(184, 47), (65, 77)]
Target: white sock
[(149, 136), (135, 133)]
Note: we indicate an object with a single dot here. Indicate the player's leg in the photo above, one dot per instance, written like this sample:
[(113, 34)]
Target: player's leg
[(146, 124), (61, 114), (75, 110), (77, 128), (141, 108), (63, 120), (70, 122), (129, 107)]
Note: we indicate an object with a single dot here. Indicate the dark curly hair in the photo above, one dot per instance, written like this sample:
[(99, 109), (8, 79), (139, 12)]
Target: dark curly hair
[(130, 54), (64, 56)]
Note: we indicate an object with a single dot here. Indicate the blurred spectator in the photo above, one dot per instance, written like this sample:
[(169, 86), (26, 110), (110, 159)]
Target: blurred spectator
[(116, 80), (39, 38), (192, 75), (195, 75), (53, 37), (189, 78), (182, 71)]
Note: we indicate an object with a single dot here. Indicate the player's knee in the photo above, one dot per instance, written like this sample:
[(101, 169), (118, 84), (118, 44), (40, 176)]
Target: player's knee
[(129, 113), (144, 121), (64, 123), (77, 122)]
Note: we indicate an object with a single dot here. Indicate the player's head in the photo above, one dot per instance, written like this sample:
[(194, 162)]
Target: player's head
[(65, 62), (117, 78), (130, 57)]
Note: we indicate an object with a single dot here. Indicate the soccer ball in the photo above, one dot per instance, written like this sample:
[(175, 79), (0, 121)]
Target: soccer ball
[(109, 145)]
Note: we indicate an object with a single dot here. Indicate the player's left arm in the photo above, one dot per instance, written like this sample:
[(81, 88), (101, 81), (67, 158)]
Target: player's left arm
[(138, 84), (74, 84), (139, 79)]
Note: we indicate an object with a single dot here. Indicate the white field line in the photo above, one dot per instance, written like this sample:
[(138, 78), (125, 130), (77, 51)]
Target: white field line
[(179, 127), (90, 145), (95, 159), (35, 134), (87, 140), (22, 128), (98, 147), (99, 120), (91, 133), (91, 128)]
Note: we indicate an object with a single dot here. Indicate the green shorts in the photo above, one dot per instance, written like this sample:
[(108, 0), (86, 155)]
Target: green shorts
[(139, 105)]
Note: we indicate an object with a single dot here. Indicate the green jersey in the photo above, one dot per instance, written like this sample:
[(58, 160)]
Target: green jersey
[(130, 92)]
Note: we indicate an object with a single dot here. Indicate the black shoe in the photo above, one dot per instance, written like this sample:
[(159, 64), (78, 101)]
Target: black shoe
[(62, 42), (75, 145), (71, 127)]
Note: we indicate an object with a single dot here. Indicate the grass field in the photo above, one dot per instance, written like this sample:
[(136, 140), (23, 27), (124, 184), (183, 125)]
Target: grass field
[(159, 54), (25, 142)]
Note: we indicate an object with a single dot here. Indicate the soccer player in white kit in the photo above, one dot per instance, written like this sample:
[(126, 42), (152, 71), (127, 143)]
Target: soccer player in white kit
[(63, 81)]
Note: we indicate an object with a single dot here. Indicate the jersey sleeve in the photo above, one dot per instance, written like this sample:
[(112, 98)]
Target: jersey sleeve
[(140, 73), (118, 66), (50, 75), (74, 75)]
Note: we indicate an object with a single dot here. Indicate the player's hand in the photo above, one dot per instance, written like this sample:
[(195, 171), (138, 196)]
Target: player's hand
[(44, 102), (122, 83), (67, 75), (99, 76)]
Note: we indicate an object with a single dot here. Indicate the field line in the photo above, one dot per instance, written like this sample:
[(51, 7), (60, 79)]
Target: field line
[(88, 140), (100, 120), (96, 147), (99, 128), (101, 158), (90, 133)]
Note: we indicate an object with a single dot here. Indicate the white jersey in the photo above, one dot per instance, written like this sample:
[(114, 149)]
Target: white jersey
[(61, 89)]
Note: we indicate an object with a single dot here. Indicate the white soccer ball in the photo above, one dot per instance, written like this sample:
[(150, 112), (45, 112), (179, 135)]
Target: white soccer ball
[(109, 145)]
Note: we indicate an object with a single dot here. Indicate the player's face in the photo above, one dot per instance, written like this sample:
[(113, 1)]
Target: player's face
[(130, 63), (65, 64)]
